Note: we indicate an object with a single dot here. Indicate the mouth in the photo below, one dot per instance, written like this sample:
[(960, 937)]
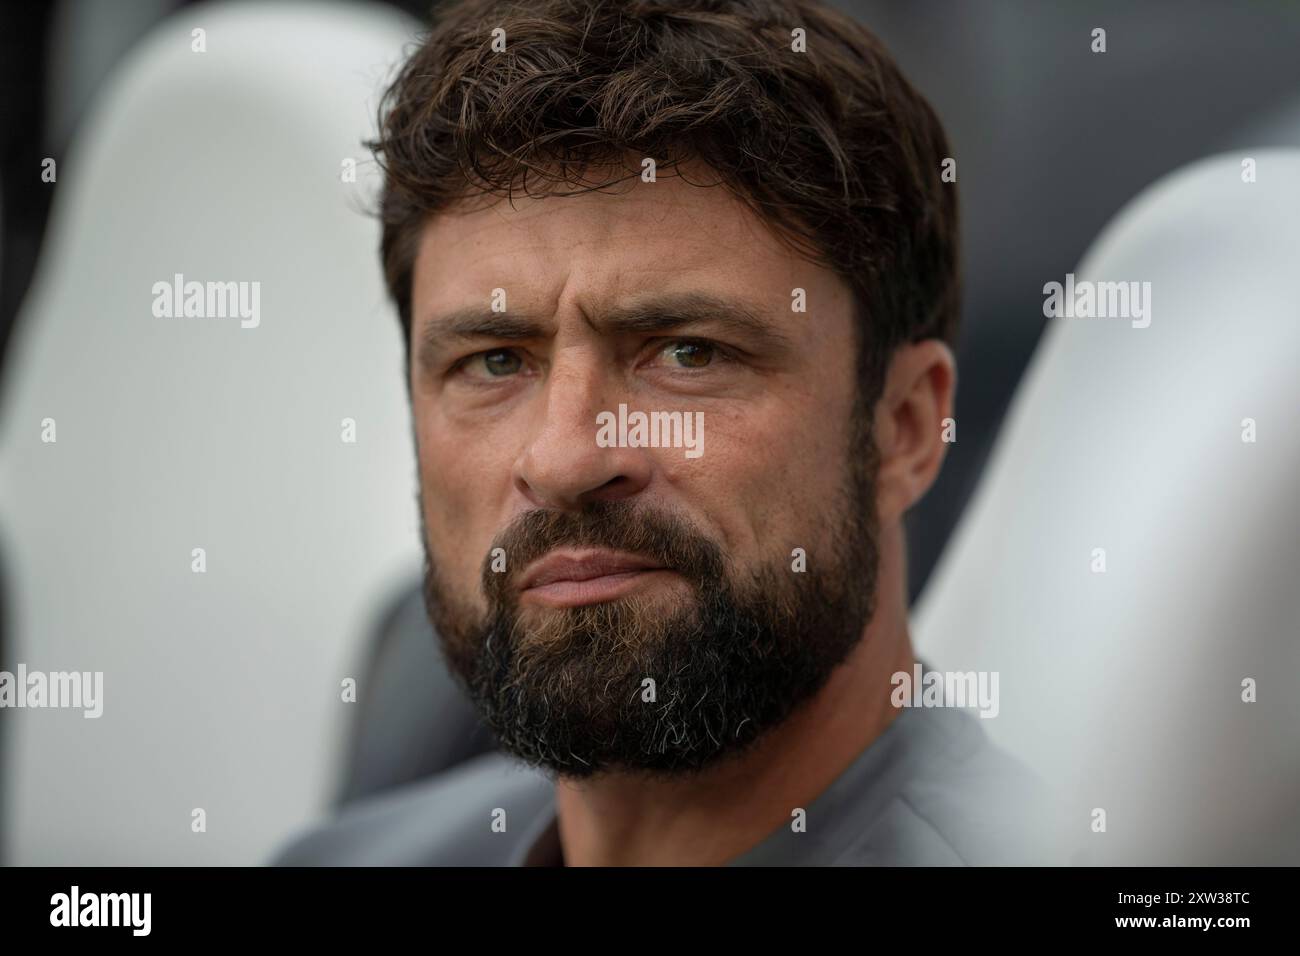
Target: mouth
[(570, 577)]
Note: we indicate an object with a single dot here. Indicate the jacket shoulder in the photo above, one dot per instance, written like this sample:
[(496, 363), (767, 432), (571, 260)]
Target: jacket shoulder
[(969, 803), (443, 821)]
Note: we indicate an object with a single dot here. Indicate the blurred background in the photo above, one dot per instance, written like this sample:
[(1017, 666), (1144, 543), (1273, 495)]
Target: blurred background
[(225, 694)]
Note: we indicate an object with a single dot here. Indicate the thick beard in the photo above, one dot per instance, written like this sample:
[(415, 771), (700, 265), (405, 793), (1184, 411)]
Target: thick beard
[(568, 690)]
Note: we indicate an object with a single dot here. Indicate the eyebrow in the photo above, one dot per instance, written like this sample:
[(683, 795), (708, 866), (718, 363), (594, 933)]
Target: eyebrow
[(657, 313)]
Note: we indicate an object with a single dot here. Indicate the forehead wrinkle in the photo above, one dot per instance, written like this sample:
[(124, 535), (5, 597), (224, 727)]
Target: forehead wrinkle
[(666, 311), (648, 313), (475, 322)]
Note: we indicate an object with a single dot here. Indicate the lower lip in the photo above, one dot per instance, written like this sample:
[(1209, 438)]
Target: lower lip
[(607, 587)]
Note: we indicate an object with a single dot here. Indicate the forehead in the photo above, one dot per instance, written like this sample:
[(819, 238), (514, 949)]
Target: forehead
[(664, 236)]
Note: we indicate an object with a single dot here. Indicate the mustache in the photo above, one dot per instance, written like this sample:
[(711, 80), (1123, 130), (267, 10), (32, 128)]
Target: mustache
[(662, 536)]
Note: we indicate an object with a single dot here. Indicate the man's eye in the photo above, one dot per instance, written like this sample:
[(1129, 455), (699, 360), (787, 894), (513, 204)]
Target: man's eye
[(497, 363), (690, 354)]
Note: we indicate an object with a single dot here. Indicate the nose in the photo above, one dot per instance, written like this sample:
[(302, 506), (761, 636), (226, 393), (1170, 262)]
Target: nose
[(562, 467)]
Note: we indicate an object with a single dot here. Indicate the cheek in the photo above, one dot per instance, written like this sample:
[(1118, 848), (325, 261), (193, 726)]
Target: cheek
[(459, 485), (768, 481)]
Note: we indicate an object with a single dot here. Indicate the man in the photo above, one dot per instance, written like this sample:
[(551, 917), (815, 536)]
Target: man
[(677, 282)]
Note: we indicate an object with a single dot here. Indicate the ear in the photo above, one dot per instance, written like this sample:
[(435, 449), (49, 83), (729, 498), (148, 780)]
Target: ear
[(909, 424)]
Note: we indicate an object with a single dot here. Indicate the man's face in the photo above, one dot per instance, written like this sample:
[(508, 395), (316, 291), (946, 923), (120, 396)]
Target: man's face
[(637, 608)]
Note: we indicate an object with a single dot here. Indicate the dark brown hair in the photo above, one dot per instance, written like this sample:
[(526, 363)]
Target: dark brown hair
[(832, 147)]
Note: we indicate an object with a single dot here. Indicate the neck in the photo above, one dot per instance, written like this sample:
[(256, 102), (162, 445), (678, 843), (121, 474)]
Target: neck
[(709, 818)]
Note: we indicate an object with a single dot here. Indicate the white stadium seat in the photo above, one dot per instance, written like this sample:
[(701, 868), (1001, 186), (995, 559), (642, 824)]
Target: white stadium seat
[(1125, 687), (222, 689)]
